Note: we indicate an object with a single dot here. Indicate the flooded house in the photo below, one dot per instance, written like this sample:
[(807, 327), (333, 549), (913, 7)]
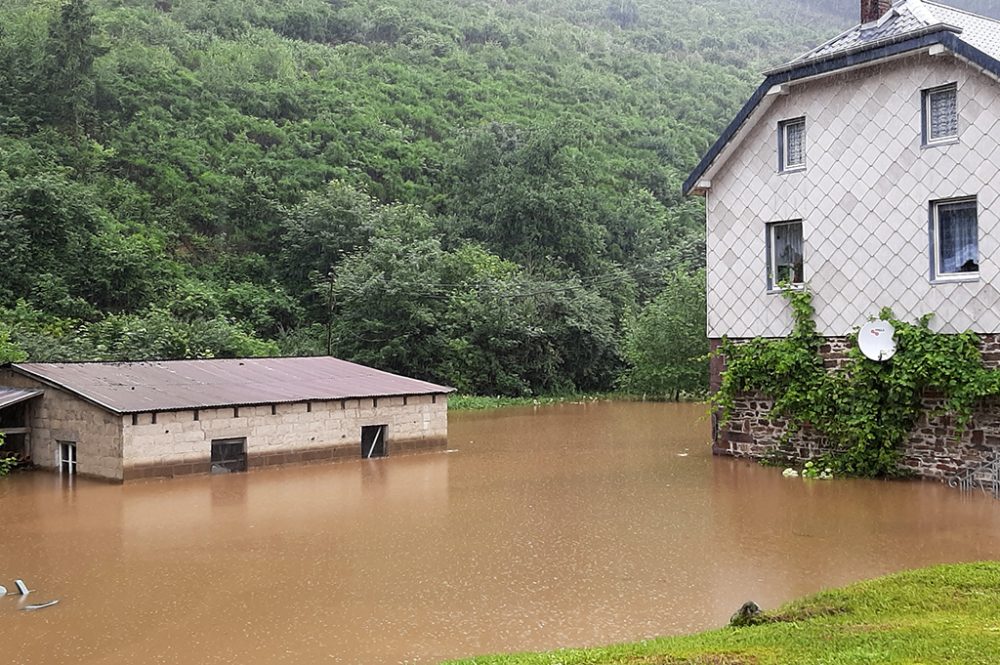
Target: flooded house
[(122, 421), (868, 169)]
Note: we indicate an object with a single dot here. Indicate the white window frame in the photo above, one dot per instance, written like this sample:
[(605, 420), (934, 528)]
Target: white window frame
[(772, 259), (937, 275), (784, 166), (926, 117), (67, 457)]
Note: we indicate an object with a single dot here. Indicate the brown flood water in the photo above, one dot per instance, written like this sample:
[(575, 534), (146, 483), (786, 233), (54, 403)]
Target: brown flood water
[(559, 526)]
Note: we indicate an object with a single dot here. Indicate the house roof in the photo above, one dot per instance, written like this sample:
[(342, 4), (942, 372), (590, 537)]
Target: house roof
[(173, 385), (12, 396), (908, 26), (907, 17)]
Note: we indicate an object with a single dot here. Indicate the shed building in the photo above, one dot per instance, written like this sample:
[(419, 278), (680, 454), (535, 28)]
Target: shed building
[(122, 421)]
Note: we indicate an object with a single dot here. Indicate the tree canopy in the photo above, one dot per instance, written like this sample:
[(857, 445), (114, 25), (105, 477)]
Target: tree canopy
[(469, 191)]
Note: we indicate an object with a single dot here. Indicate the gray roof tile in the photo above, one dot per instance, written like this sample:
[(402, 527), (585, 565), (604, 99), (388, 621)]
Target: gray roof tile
[(910, 16)]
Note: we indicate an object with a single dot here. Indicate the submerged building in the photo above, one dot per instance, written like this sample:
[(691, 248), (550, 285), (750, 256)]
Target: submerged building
[(122, 421)]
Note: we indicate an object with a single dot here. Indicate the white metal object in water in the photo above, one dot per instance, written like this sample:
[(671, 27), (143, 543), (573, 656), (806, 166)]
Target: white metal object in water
[(374, 441)]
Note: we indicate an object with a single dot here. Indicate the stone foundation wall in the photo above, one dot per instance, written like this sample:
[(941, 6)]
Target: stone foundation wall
[(179, 442), (935, 448), (59, 416)]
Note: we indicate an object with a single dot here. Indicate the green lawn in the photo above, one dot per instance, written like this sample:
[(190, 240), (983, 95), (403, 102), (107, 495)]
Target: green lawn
[(944, 614)]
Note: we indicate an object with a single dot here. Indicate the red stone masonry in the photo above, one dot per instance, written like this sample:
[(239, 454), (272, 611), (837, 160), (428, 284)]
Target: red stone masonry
[(935, 449)]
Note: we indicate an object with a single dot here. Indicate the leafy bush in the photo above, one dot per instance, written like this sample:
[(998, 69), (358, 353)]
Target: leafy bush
[(866, 409)]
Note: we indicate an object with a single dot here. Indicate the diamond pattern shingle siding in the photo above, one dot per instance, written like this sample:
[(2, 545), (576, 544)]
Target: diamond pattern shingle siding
[(863, 199)]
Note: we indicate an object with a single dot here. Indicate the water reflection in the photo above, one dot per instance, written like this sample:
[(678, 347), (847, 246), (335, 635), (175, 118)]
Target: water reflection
[(567, 525)]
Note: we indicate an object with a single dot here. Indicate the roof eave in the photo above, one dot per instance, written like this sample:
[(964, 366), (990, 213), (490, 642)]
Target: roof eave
[(55, 384), (229, 405), (872, 53), (913, 34)]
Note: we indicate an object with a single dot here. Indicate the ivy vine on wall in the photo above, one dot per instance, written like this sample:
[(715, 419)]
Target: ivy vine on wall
[(865, 409)]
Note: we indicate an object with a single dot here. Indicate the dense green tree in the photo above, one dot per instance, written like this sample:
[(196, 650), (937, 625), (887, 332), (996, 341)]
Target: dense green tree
[(666, 345), (66, 73), (490, 188)]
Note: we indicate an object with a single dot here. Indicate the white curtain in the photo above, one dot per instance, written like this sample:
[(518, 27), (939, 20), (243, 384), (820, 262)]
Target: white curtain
[(788, 252), (958, 235)]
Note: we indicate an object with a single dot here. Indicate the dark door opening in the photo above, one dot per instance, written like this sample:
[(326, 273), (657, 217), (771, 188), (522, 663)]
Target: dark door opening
[(229, 455), (373, 441), (67, 458)]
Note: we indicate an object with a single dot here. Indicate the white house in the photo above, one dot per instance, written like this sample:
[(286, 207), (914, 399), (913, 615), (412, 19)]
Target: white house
[(869, 169)]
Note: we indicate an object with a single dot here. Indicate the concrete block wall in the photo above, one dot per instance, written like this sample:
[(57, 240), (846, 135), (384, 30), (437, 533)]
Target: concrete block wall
[(60, 416), (177, 443)]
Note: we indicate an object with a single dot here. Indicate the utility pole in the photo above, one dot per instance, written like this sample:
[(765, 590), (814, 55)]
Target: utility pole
[(329, 314)]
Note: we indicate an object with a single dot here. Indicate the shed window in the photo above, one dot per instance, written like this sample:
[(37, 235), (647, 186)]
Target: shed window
[(229, 455), (784, 254), (792, 144), (955, 238), (940, 114)]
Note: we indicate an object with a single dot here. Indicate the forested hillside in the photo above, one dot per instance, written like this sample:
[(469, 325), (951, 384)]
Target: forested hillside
[(481, 193)]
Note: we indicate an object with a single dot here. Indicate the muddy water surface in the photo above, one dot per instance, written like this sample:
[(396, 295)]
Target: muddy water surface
[(557, 526)]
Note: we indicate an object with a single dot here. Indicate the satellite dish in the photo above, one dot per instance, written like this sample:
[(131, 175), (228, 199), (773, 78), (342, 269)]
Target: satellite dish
[(876, 340)]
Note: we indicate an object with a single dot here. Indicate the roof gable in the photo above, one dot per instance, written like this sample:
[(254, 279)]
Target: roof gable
[(884, 42), (173, 385)]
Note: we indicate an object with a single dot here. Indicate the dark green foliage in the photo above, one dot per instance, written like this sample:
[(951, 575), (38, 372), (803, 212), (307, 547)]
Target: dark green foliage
[(7, 462), (866, 409), (489, 187), (665, 346)]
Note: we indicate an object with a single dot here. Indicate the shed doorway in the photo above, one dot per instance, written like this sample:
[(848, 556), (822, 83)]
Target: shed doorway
[(373, 441), (67, 458), (229, 455)]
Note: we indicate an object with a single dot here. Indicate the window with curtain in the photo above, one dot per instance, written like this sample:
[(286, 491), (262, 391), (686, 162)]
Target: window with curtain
[(956, 237), (940, 114), (792, 139), (784, 258)]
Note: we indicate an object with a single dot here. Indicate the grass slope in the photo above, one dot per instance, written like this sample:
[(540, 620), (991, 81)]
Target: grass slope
[(944, 614)]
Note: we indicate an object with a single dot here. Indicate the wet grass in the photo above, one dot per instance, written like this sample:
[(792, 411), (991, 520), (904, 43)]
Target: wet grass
[(459, 402), (480, 403), (944, 614)]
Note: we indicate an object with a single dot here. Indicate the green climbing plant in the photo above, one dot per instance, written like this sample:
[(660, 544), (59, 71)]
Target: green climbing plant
[(7, 462), (865, 409)]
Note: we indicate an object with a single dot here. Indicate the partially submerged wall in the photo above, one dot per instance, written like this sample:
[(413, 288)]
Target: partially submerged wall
[(60, 416), (179, 442), (935, 449)]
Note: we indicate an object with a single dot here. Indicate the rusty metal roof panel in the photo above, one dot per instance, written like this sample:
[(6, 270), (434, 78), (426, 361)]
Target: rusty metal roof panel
[(11, 396), (172, 385)]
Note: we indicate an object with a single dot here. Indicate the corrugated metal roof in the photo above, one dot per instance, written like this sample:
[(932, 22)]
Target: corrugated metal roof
[(11, 396), (911, 16), (196, 384)]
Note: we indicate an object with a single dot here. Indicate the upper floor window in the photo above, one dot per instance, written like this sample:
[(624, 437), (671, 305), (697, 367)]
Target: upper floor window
[(940, 113), (784, 254), (792, 144), (954, 238)]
